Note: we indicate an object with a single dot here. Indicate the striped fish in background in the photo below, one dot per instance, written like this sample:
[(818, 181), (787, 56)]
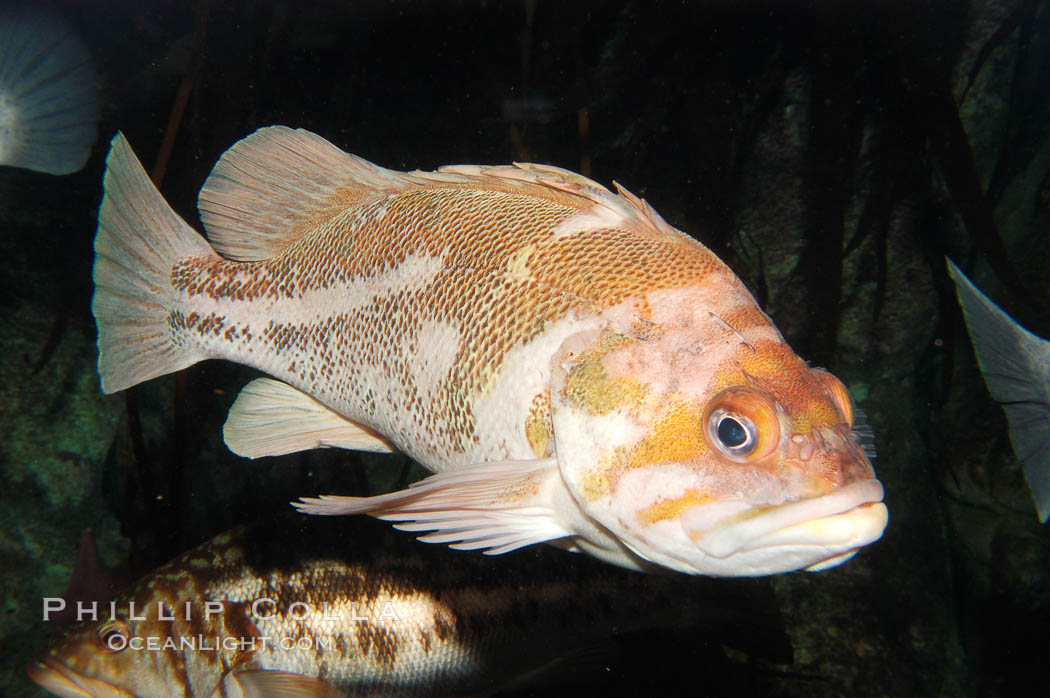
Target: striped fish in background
[(270, 610)]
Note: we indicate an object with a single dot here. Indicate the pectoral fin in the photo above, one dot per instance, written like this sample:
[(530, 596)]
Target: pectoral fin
[(255, 683), (271, 418), (496, 507)]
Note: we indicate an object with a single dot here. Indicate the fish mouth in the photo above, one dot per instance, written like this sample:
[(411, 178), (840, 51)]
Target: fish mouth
[(59, 679), (812, 534)]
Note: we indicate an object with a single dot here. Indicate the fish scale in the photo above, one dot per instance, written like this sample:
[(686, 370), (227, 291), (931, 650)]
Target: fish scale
[(492, 308), (463, 317)]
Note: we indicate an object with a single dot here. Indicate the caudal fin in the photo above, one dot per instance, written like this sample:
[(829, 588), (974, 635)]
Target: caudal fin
[(48, 95), (139, 239), (1016, 368)]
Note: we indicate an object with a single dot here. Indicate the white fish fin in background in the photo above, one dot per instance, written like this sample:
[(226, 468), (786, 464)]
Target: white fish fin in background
[(271, 418), (496, 507), (139, 238), (48, 94), (274, 186), (258, 683), (1016, 367)]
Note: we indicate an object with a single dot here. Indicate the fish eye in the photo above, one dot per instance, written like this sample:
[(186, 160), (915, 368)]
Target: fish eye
[(742, 424), (735, 434), (113, 636)]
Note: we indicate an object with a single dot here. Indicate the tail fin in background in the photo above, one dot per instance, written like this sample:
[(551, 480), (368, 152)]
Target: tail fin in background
[(139, 239), (1016, 367), (48, 94)]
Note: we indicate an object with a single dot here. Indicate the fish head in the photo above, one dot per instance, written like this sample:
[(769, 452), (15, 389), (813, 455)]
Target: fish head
[(135, 648), (91, 660), (712, 451)]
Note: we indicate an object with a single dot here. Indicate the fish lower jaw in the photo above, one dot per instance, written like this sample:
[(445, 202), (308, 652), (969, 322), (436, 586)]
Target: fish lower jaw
[(828, 541), (55, 677), (812, 534), (55, 681)]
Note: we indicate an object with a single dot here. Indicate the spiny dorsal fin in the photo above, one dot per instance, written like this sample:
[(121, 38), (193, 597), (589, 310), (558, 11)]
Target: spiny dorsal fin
[(545, 175), (622, 209), (271, 418), (644, 212), (277, 184)]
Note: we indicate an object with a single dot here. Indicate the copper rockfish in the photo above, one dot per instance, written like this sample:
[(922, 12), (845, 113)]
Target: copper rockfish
[(272, 611), (571, 367)]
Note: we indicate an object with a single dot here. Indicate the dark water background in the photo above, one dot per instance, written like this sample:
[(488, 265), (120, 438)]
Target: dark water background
[(831, 153)]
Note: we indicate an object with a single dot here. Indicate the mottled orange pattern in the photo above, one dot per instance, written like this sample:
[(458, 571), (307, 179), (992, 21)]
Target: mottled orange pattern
[(776, 369), (505, 276)]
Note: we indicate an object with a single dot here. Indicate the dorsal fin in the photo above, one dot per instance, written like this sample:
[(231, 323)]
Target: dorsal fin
[(277, 184), (545, 175), (274, 186), (620, 209)]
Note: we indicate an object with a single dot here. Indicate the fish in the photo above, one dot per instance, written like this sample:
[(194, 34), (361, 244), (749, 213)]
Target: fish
[(90, 580), (1015, 364), (49, 105), (269, 609), (571, 368)]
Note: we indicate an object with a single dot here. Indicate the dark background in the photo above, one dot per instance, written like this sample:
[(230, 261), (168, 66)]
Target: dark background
[(831, 153)]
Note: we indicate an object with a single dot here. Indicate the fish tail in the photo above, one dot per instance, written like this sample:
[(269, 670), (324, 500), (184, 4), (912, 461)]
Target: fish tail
[(139, 239), (1014, 363), (48, 96)]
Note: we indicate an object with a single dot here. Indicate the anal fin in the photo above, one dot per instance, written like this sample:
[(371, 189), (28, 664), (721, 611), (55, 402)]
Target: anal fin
[(496, 507), (258, 683), (271, 418)]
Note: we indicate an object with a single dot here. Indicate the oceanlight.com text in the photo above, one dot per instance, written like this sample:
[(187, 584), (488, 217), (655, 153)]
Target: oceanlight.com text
[(202, 643)]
